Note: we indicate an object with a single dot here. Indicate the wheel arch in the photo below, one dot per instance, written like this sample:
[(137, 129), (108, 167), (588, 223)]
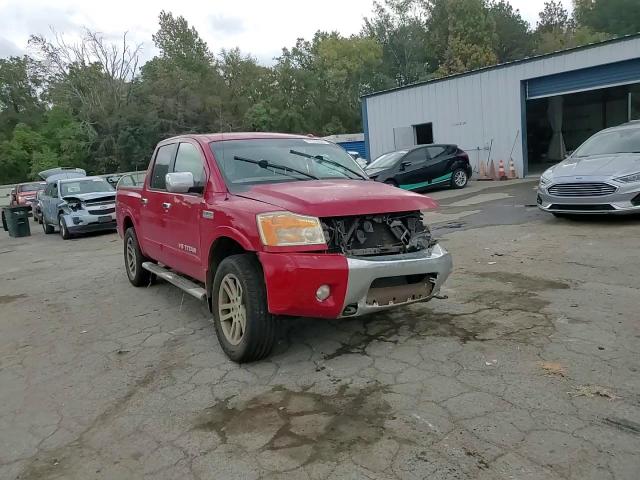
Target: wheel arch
[(221, 248)]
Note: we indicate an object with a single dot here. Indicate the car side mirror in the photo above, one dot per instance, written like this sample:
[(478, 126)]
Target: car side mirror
[(404, 165), (179, 182)]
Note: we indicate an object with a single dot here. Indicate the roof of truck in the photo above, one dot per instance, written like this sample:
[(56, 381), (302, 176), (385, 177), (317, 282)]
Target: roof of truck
[(218, 137)]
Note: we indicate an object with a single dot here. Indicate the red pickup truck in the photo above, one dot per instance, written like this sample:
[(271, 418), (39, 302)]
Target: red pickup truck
[(265, 225)]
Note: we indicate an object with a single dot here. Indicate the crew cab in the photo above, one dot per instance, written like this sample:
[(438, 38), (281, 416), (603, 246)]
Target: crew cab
[(266, 225)]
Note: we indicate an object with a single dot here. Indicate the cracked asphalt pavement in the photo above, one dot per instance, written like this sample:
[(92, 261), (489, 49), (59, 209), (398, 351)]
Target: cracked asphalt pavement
[(530, 370)]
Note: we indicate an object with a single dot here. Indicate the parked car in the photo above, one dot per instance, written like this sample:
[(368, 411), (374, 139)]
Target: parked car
[(24, 194), (262, 225), (359, 160), (77, 205), (422, 167), (601, 176)]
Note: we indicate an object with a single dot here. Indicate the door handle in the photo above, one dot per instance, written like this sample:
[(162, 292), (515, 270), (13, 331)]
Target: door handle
[(166, 205), (144, 201)]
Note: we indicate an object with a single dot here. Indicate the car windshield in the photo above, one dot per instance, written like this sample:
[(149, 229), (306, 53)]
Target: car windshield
[(30, 187), (254, 161), (387, 160), (90, 185), (607, 143)]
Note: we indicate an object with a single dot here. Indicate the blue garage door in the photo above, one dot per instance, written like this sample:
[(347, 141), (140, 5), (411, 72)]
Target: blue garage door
[(354, 147), (621, 73)]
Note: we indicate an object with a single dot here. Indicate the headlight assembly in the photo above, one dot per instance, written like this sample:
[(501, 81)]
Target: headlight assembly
[(633, 178), (545, 178), (282, 229)]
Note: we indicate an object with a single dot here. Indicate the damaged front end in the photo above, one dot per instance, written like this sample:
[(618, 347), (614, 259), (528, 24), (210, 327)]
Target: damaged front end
[(380, 234), (392, 259)]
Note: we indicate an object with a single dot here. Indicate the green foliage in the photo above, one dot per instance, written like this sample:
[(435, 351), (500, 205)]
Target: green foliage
[(89, 104), (615, 17)]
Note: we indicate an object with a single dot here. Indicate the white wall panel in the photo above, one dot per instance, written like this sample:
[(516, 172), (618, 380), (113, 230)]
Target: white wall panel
[(471, 110)]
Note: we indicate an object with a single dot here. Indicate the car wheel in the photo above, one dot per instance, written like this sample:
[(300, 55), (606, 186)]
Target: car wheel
[(133, 260), (459, 178), (245, 328), (48, 229), (4, 223), (64, 231)]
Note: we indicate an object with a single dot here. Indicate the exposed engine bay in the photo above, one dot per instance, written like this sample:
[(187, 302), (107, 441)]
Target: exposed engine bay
[(381, 234)]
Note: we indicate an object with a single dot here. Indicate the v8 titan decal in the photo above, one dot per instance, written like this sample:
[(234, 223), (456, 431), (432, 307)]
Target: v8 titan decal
[(188, 248)]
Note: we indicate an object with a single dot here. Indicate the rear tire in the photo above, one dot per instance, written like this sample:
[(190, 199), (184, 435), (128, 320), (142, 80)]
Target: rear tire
[(246, 330), (133, 260), (459, 178)]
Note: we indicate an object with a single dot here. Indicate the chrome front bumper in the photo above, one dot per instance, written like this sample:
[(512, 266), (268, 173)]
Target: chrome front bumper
[(434, 262), (83, 222), (619, 202)]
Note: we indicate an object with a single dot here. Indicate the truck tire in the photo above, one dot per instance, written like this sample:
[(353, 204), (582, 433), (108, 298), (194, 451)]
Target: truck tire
[(133, 260), (64, 231), (48, 229), (246, 330)]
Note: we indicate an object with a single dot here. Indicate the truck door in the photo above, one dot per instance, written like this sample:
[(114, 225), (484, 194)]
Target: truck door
[(52, 204), (153, 204), (185, 213)]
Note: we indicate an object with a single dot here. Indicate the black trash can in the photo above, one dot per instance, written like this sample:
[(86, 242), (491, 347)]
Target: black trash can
[(17, 220)]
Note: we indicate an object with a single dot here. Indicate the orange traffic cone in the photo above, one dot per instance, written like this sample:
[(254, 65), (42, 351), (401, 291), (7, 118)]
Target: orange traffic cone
[(501, 173), (483, 172), (492, 170), (512, 169)]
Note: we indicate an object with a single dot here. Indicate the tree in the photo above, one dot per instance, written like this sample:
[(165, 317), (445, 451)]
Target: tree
[(556, 30), (614, 17), (513, 38), (21, 84), (466, 34), (399, 26)]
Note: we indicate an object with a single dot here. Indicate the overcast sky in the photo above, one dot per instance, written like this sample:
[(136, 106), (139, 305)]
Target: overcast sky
[(258, 27)]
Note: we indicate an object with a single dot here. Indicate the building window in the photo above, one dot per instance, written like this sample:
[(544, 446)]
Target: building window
[(424, 133)]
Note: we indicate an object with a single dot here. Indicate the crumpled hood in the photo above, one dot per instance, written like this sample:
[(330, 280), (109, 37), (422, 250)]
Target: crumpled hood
[(91, 196), (616, 165), (333, 198)]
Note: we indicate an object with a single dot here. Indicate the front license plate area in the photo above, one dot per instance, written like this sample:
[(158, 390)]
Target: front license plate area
[(105, 219)]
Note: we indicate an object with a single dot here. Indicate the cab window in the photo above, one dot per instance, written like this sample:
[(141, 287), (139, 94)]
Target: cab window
[(189, 159), (164, 157)]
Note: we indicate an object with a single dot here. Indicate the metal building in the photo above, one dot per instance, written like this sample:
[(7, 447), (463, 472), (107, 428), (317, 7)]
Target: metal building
[(532, 110)]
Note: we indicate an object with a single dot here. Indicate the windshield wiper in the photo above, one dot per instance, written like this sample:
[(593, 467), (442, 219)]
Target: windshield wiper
[(266, 165), (330, 162)]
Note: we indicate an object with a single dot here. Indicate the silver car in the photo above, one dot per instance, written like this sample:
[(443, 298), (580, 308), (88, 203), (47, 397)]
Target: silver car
[(78, 205), (601, 176)]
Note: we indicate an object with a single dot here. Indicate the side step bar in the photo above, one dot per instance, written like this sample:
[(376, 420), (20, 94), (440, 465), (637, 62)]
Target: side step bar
[(182, 283)]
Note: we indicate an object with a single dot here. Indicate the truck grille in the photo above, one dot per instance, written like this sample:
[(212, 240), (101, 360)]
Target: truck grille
[(100, 201), (581, 189), (377, 234), (106, 211)]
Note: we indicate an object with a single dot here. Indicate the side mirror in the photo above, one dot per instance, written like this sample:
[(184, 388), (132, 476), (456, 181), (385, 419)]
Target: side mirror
[(404, 165), (179, 182)]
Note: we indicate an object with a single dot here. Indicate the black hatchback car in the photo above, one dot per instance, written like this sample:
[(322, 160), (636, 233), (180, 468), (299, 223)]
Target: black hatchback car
[(422, 167)]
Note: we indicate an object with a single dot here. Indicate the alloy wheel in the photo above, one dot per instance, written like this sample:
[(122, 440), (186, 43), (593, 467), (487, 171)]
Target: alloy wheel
[(460, 178), (231, 309), (131, 258)]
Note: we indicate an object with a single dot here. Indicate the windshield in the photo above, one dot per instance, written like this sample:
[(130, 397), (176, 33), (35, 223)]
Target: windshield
[(312, 157), (387, 160), (30, 187), (91, 185), (620, 141)]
